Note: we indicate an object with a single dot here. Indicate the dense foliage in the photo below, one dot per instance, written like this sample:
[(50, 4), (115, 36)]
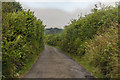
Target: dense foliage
[(22, 36), (79, 40), (8, 7)]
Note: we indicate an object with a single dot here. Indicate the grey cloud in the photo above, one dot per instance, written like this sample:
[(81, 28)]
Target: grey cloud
[(53, 17)]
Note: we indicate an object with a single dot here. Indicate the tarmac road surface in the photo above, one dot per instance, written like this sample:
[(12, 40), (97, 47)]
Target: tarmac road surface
[(54, 64)]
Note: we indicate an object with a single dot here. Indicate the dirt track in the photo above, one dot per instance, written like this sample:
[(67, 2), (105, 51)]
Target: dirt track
[(54, 64)]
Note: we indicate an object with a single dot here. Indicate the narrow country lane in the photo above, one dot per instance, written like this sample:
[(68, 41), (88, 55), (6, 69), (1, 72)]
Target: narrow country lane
[(54, 64)]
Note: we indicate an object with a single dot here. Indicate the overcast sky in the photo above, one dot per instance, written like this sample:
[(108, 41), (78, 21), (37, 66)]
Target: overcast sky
[(58, 13)]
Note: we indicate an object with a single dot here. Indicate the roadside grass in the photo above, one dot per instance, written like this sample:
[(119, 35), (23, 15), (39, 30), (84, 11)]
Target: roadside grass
[(94, 70), (28, 63)]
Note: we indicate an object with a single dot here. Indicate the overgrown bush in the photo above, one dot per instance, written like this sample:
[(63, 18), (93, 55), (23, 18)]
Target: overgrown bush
[(22, 36)]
